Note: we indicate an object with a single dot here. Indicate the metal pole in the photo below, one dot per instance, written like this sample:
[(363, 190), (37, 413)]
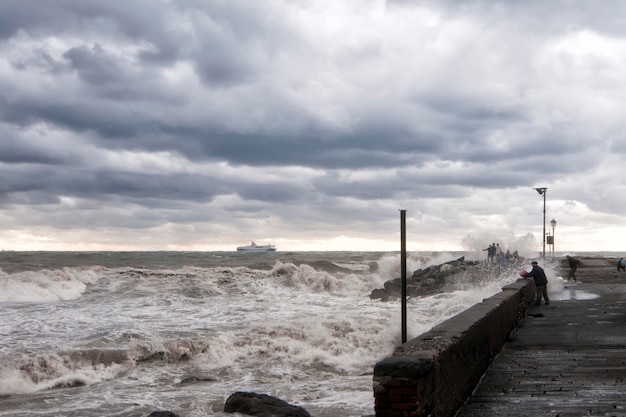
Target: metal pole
[(544, 222), (553, 242), (403, 269)]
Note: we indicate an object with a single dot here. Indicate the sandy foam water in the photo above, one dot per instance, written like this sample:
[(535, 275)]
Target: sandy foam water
[(308, 335), (29, 374), (45, 285), (310, 279)]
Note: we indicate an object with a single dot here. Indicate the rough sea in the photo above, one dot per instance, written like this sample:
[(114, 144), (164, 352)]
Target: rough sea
[(128, 333)]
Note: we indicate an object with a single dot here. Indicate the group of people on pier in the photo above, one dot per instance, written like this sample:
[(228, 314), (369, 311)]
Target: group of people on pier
[(495, 255)]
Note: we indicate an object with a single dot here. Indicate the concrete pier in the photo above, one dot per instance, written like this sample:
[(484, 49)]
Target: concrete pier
[(563, 359)]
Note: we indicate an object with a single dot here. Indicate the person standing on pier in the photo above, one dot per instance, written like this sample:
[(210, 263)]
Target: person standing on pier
[(541, 282), (491, 252), (573, 266)]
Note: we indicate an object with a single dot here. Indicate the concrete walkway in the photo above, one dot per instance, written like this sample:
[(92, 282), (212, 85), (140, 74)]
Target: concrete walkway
[(567, 358)]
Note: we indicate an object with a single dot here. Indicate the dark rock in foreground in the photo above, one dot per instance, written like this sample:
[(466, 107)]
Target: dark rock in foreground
[(163, 414), (262, 405)]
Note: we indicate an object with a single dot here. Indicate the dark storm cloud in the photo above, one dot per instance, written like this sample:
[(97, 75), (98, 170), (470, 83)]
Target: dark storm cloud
[(221, 59), (82, 115), (147, 114), (94, 66), (15, 151), (267, 192), (136, 20), (375, 147), (222, 55), (99, 184)]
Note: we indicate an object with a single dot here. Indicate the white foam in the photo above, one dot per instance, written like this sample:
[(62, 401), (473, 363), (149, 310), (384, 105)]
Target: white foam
[(292, 329), (45, 285), (27, 375)]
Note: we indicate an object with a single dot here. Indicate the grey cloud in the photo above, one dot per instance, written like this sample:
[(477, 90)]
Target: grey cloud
[(40, 60), (28, 198), (81, 182), (13, 150), (275, 193), (536, 15), (137, 21), (240, 84), (94, 66), (76, 115)]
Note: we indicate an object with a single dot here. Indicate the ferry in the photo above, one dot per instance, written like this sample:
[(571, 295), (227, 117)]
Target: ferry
[(253, 247)]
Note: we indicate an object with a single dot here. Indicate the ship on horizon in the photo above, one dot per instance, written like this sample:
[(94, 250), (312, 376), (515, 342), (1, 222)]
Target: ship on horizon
[(253, 247)]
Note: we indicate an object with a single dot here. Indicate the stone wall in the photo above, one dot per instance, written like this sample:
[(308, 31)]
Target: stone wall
[(435, 373)]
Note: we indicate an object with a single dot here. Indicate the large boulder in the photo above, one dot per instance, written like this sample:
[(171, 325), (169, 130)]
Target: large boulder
[(163, 414), (262, 405)]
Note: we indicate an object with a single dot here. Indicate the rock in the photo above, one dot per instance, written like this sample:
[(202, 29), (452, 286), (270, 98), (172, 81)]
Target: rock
[(163, 414), (262, 405), (71, 383), (197, 379), (393, 287), (423, 281), (380, 294)]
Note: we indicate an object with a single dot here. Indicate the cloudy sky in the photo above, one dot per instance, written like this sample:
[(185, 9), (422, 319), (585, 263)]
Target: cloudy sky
[(206, 124)]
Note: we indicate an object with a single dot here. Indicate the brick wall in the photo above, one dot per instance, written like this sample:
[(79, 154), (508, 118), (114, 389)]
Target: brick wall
[(433, 374)]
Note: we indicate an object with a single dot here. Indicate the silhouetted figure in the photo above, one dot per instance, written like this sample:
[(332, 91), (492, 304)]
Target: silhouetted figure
[(491, 252), (573, 266), (541, 283)]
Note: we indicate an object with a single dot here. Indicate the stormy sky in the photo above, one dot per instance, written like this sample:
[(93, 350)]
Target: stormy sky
[(206, 124)]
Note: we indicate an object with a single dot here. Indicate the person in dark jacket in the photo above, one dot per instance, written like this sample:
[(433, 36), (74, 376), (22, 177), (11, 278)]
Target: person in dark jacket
[(573, 266), (541, 282), (621, 265)]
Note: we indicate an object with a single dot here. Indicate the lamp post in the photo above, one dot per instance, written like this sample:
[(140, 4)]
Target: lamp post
[(553, 224), (542, 191)]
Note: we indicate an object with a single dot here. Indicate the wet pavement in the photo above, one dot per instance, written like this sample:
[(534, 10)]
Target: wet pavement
[(567, 358)]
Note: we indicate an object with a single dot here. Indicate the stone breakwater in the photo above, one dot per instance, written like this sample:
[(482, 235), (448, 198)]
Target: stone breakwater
[(435, 278)]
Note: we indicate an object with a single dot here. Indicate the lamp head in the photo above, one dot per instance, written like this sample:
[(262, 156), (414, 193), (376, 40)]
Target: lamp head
[(553, 223), (540, 190)]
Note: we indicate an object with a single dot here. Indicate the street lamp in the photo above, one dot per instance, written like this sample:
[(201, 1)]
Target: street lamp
[(542, 191), (553, 224)]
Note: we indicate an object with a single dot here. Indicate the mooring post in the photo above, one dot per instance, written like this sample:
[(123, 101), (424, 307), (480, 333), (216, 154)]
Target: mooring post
[(403, 269)]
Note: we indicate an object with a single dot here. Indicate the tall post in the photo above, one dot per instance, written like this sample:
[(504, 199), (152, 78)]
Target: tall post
[(553, 224), (544, 223), (403, 270), (542, 191)]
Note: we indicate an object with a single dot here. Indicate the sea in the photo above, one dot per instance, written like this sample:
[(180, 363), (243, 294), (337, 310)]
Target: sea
[(127, 333)]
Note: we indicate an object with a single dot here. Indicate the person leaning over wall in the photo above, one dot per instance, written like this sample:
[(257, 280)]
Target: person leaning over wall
[(541, 282)]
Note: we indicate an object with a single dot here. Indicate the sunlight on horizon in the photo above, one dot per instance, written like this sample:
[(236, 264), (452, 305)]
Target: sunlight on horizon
[(602, 241)]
